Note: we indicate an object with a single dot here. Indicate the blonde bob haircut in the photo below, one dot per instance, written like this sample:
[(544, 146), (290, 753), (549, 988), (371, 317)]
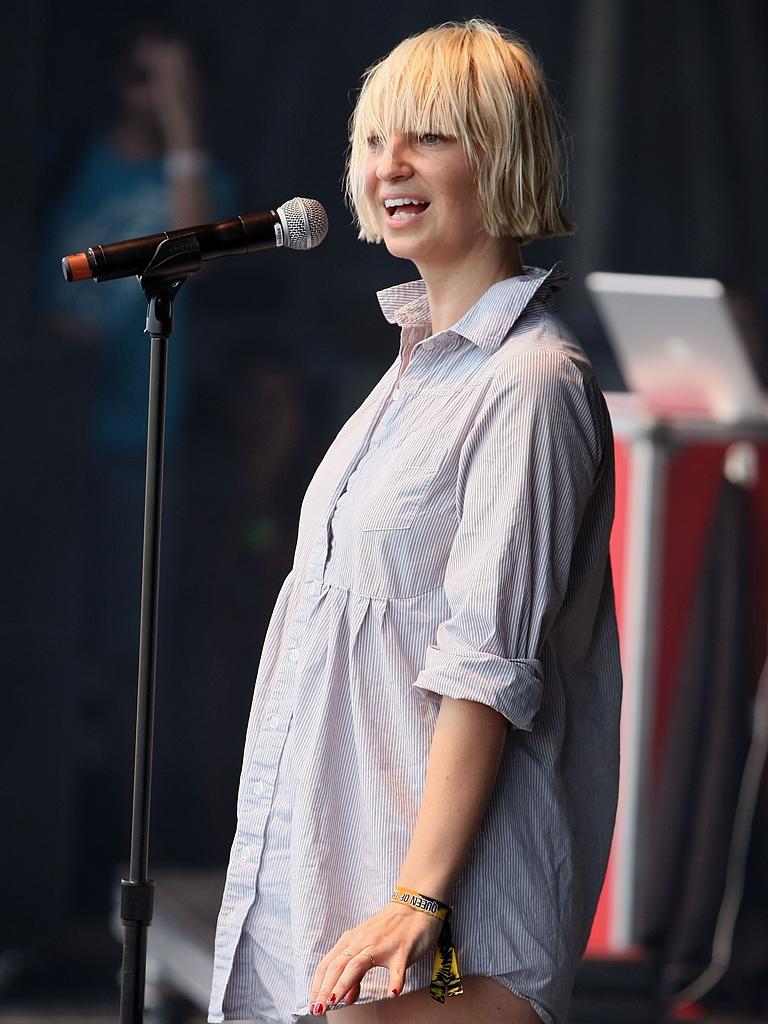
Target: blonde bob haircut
[(477, 83)]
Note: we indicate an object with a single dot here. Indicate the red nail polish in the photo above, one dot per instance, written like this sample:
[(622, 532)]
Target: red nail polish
[(395, 992), (332, 999)]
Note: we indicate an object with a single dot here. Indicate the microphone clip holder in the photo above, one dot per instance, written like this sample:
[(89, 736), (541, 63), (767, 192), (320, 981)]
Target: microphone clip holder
[(175, 259)]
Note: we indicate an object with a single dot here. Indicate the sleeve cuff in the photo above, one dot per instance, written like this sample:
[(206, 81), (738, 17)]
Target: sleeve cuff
[(513, 688)]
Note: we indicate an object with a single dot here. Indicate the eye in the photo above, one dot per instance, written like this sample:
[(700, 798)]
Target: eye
[(374, 141), (431, 138)]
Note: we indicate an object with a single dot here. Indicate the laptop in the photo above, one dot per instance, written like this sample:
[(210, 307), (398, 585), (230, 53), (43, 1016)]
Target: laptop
[(678, 345)]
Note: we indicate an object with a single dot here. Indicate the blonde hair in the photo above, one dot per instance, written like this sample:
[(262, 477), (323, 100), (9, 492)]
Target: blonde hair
[(477, 83)]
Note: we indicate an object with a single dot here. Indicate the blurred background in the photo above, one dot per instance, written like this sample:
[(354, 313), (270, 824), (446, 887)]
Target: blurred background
[(665, 110)]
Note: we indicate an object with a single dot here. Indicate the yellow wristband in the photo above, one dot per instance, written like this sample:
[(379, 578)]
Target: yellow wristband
[(425, 904), (446, 980)]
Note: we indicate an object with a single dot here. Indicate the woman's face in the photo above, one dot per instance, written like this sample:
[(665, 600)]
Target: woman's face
[(445, 226)]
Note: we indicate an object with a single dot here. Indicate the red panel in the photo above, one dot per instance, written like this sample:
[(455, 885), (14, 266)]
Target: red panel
[(694, 479), (619, 534), (599, 939)]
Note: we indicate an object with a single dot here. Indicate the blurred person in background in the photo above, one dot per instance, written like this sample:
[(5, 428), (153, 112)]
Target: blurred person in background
[(432, 749), (146, 171)]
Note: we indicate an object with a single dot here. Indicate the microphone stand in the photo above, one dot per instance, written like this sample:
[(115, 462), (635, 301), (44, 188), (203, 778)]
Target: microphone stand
[(174, 260)]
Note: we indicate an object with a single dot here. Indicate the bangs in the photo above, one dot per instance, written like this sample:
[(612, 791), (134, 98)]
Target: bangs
[(416, 89)]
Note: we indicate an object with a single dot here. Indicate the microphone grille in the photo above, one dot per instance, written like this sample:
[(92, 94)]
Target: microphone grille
[(304, 221)]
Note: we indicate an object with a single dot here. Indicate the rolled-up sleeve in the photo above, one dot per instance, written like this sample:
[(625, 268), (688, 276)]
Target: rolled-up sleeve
[(526, 472)]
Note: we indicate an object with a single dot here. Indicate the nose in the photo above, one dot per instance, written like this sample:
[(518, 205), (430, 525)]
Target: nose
[(393, 161)]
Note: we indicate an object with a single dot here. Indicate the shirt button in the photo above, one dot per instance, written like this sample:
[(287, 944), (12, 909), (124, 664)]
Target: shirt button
[(395, 394), (258, 789), (245, 853), (274, 721), (428, 344), (293, 655)]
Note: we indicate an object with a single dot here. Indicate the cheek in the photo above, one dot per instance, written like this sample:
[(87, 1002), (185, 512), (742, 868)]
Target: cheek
[(370, 185), (369, 178), (467, 205)]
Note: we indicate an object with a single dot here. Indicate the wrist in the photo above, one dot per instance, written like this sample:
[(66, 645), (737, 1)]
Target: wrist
[(446, 979), (437, 886), (440, 895), (185, 161)]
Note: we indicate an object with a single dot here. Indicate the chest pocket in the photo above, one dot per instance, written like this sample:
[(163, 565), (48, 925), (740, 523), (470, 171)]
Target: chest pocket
[(406, 483)]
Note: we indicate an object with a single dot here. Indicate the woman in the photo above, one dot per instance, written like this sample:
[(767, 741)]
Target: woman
[(437, 704)]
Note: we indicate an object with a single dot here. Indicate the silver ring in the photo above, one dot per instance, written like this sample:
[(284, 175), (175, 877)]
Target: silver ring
[(348, 952), (363, 953)]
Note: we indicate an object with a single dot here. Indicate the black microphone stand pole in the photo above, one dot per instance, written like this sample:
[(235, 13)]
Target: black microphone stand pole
[(174, 260)]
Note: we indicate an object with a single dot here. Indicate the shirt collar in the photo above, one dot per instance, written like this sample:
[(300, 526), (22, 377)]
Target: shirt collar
[(488, 322)]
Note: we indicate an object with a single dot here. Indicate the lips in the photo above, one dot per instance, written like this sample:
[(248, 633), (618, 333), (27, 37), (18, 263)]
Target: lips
[(399, 217)]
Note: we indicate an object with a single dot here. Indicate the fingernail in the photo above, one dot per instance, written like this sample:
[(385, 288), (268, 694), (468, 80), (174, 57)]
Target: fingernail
[(319, 1009), (332, 999), (394, 992)]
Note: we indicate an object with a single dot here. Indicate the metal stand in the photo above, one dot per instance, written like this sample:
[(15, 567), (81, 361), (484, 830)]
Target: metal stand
[(175, 259)]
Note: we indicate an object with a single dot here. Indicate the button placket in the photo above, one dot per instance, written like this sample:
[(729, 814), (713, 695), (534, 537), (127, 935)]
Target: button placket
[(381, 413), (258, 793)]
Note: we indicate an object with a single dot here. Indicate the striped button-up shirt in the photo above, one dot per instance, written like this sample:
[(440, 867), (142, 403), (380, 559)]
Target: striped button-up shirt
[(453, 541)]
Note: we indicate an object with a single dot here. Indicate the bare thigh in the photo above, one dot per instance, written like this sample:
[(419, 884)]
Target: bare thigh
[(485, 1001)]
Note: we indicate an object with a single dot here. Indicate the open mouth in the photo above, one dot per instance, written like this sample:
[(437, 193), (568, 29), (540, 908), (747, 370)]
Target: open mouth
[(404, 211)]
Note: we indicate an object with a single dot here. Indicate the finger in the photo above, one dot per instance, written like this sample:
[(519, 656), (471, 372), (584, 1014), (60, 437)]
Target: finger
[(328, 972), (332, 987), (336, 985), (397, 969), (352, 995), (328, 959)]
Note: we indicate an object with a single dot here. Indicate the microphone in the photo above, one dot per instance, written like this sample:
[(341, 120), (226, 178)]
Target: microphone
[(297, 224)]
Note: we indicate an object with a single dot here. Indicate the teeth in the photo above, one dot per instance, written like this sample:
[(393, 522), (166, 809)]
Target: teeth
[(401, 201), (404, 215)]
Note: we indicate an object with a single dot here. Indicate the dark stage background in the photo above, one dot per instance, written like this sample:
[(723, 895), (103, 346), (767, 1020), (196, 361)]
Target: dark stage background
[(665, 107)]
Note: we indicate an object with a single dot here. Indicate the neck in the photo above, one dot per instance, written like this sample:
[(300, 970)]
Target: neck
[(455, 288), (134, 139)]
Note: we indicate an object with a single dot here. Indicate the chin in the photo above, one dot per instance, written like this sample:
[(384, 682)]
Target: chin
[(404, 248), (400, 251)]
